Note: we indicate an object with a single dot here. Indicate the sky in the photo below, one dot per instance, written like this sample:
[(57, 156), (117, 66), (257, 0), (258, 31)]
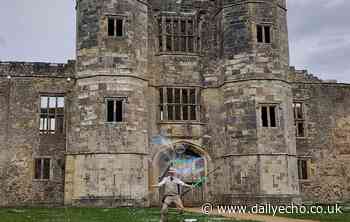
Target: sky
[(319, 34)]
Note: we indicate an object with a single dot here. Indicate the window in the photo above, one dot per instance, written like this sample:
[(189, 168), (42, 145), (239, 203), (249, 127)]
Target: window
[(179, 104), (177, 34), (51, 114), (269, 115), (299, 119), (263, 33), (42, 168), (115, 27), (303, 169), (114, 109)]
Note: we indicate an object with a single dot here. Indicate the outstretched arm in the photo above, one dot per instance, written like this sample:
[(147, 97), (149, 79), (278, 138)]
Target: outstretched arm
[(161, 183), (180, 182)]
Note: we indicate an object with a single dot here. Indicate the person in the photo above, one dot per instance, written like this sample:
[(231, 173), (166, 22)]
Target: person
[(171, 192)]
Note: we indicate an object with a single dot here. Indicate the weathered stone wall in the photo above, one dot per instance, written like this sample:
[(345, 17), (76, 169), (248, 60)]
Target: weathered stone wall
[(245, 57), (21, 141), (92, 135), (109, 67), (103, 54), (327, 143), (263, 158)]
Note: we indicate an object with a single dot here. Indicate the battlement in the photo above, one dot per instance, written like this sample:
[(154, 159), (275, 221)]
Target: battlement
[(303, 75), (37, 69)]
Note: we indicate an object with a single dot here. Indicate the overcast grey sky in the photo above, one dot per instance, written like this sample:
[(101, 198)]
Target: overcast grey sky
[(43, 30)]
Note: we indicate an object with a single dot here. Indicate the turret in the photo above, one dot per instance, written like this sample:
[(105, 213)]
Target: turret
[(112, 37), (260, 147), (108, 135), (256, 38)]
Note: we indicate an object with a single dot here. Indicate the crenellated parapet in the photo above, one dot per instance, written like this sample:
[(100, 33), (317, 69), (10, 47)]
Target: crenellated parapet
[(37, 69), (303, 76)]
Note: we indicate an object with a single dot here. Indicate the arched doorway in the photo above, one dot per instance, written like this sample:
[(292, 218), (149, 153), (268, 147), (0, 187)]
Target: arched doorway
[(191, 164)]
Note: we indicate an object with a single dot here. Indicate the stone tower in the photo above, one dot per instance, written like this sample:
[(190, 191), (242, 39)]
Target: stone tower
[(260, 149), (107, 144)]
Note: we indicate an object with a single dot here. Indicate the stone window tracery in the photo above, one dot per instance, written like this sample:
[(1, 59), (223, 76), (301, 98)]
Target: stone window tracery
[(177, 34), (179, 104), (299, 118), (51, 114), (269, 115), (42, 167)]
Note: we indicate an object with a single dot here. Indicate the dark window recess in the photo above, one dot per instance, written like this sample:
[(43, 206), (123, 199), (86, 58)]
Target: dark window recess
[(263, 34), (272, 116), (303, 169), (119, 28), (264, 117), (119, 111), (259, 29), (267, 34), (115, 27), (299, 119), (178, 104), (114, 110), (110, 111), (269, 116), (42, 168), (110, 27), (170, 112), (300, 129)]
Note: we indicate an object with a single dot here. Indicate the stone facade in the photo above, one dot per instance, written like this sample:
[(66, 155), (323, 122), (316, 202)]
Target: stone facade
[(212, 76)]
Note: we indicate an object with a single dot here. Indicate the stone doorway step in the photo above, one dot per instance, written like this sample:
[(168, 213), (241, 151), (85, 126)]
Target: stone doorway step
[(254, 217)]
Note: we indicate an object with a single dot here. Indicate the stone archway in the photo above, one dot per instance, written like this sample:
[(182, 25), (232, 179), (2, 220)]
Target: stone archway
[(191, 163)]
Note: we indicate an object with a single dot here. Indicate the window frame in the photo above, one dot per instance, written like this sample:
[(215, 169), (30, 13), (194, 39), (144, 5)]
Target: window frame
[(57, 115), (116, 18), (181, 41), (310, 170), (188, 105), (263, 33), (268, 113), (42, 166), (298, 120), (115, 100)]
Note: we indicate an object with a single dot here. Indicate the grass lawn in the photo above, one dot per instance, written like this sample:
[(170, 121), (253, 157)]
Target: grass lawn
[(96, 215), (344, 217)]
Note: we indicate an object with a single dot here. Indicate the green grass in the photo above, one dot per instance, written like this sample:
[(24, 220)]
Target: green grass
[(96, 215), (344, 217)]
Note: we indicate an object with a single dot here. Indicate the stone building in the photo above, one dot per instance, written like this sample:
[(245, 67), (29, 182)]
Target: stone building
[(211, 78)]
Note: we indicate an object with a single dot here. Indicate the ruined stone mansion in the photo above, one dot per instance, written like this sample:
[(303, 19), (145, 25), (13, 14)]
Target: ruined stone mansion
[(210, 76)]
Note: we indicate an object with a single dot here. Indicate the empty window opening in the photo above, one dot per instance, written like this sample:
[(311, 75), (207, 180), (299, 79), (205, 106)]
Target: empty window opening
[(42, 168), (298, 110), (303, 169), (110, 27), (115, 27), (272, 116), (269, 116), (263, 34), (179, 104), (264, 117), (51, 114), (177, 34), (267, 34), (260, 33), (119, 27), (114, 110)]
